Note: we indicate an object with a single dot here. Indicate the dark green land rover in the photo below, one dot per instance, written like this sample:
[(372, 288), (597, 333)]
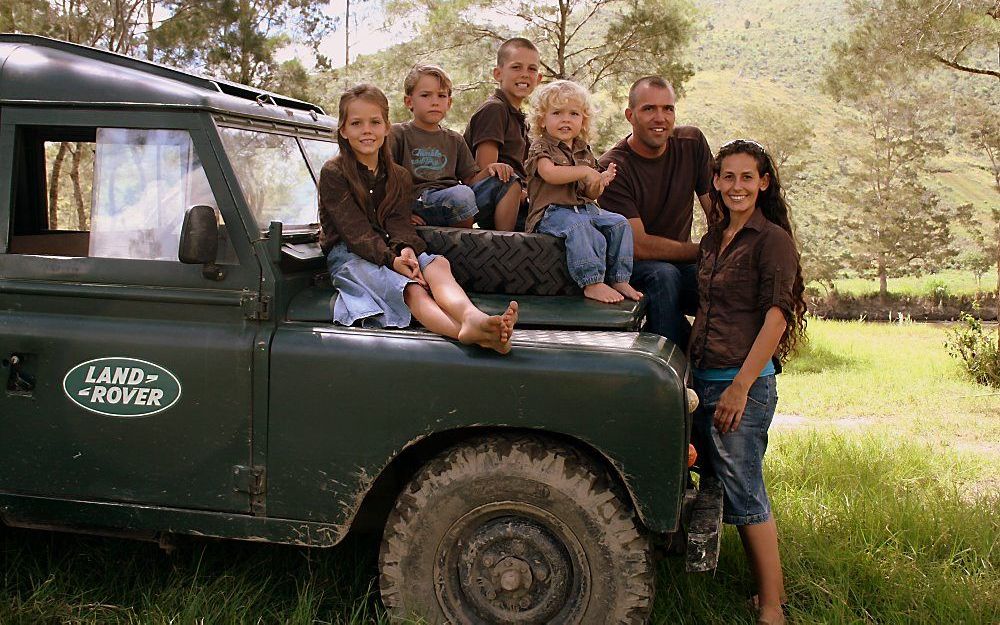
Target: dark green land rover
[(170, 366)]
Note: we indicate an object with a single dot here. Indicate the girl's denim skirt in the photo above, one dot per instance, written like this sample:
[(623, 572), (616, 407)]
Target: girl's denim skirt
[(366, 292)]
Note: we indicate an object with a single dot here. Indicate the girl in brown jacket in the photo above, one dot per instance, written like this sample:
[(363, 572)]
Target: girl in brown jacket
[(375, 256)]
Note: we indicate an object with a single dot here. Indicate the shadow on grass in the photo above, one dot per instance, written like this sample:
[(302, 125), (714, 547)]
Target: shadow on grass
[(814, 357)]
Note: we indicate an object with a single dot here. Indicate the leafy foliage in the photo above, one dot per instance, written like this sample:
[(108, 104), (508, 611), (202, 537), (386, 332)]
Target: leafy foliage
[(237, 39), (977, 350)]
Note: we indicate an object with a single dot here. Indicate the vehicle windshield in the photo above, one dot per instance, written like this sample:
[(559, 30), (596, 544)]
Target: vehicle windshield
[(274, 176)]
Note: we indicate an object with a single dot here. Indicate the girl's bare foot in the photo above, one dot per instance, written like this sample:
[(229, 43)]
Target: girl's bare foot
[(602, 293), (507, 321), (626, 289), (484, 331)]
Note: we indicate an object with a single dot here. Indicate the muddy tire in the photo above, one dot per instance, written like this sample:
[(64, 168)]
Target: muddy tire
[(515, 530), (515, 263)]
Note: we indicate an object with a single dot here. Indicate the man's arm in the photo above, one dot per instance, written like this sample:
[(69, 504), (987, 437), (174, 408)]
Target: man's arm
[(706, 203), (652, 247), (487, 153)]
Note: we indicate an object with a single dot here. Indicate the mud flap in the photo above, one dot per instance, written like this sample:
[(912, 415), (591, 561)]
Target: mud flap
[(704, 530)]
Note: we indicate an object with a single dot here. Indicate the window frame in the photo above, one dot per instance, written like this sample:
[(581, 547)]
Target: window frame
[(161, 273)]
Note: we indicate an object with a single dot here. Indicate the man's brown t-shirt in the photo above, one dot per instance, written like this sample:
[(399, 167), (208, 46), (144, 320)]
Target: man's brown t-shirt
[(660, 190), (436, 160), (497, 120)]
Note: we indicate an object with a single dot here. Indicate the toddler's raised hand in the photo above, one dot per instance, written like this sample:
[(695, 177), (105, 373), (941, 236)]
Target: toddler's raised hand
[(609, 174)]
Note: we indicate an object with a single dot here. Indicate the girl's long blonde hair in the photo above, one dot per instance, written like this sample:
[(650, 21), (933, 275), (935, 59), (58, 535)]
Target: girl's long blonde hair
[(557, 94)]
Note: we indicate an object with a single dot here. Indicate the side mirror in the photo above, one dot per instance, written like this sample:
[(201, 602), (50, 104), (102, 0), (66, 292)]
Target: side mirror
[(199, 244)]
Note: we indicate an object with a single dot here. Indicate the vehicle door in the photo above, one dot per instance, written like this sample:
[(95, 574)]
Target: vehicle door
[(127, 373)]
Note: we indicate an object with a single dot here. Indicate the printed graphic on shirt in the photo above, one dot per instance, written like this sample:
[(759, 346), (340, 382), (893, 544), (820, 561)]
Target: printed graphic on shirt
[(428, 163)]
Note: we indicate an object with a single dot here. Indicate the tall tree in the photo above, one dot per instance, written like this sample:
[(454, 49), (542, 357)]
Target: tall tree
[(590, 41), (238, 39), (894, 224), (963, 36)]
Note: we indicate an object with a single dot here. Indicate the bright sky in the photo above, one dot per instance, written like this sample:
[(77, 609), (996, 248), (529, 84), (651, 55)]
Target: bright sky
[(367, 34)]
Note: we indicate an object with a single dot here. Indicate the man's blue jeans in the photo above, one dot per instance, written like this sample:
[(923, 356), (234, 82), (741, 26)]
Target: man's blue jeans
[(671, 291)]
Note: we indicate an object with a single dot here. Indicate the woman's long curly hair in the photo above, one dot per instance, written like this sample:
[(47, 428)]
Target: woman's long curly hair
[(348, 161), (772, 204)]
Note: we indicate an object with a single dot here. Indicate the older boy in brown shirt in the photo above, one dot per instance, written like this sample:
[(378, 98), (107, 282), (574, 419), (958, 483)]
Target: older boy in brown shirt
[(498, 131)]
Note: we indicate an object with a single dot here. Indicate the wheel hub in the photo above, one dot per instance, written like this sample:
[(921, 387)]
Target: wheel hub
[(517, 569)]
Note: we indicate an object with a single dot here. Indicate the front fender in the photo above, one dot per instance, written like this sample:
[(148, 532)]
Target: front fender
[(345, 401)]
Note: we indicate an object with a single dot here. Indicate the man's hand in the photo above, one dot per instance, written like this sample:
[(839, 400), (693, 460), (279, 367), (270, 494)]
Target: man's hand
[(503, 171)]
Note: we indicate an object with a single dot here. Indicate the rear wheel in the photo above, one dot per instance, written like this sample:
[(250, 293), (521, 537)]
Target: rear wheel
[(515, 530)]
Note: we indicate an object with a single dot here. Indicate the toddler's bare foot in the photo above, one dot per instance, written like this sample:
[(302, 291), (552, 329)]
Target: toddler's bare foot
[(484, 331), (602, 293), (626, 289), (507, 321)]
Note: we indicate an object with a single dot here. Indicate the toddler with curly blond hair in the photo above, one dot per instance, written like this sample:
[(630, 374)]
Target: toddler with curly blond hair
[(564, 183)]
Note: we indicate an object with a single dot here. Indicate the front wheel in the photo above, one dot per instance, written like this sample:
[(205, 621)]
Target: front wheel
[(515, 530)]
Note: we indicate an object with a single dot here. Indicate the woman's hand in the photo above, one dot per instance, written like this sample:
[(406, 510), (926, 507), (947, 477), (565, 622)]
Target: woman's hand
[(406, 264), (730, 407)]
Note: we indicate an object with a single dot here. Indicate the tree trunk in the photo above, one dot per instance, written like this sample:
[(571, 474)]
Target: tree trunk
[(82, 217), (883, 280), (149, 30), (54, 186), (347, 35)]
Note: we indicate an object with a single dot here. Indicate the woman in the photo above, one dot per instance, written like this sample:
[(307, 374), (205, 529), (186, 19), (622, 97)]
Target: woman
[(751, 314)]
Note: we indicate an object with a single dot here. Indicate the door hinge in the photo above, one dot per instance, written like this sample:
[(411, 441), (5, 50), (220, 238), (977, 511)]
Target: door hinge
[(255, 306), (252, 481)]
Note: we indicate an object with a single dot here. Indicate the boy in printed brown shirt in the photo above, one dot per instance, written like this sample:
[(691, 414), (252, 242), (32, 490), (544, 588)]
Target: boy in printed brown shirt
[(449, 187), (498, 132)]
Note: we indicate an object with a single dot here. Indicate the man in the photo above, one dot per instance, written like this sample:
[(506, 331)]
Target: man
[(661, 168)]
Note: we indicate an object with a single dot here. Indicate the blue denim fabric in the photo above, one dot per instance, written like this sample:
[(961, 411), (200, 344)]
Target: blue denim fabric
[(489, 191), (446, 207), (368, 292), (598, 242), (670, 291), (737, 458)]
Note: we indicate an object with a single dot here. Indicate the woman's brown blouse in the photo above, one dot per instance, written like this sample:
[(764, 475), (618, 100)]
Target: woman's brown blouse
[(737, 288)]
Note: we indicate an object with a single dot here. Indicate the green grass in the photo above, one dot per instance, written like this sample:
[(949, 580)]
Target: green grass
[(890, 375), (956, 282), (883, 482)]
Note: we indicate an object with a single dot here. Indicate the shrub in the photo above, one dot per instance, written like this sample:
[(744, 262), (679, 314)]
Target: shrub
[(977, 349)]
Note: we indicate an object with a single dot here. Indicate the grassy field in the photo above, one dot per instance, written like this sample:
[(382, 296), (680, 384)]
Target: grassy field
[(954, 281), (882, 472)]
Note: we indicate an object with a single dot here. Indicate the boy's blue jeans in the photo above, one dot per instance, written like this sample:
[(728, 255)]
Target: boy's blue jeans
[(598, 242), (451, 205)]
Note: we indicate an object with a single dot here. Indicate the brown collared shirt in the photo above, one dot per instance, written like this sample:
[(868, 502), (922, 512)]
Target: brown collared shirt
[(540, 193), (736, 289), (499, 121), (377, 231)]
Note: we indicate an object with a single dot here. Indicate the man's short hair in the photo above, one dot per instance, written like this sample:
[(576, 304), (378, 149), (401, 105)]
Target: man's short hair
[(647, 81), (418, 71), (507, 47)]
